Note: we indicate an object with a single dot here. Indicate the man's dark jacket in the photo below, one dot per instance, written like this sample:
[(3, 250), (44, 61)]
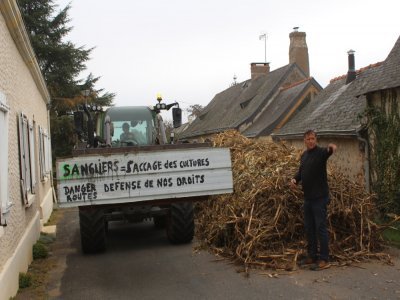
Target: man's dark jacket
[(312, 173)]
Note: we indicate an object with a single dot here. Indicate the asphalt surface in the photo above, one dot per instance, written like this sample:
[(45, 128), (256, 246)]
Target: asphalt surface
[(141, 264)]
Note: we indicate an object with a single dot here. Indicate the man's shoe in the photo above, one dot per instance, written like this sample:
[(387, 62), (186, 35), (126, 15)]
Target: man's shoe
[(320, 265), (308, 261)]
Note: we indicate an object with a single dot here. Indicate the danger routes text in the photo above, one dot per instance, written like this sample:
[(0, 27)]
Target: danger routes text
[(89, 191)]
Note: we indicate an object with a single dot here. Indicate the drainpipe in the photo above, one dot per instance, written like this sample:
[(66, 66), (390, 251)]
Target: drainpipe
[(366, 162)]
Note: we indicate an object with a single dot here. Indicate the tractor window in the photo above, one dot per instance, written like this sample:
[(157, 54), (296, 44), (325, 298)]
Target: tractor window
[(130, 133)]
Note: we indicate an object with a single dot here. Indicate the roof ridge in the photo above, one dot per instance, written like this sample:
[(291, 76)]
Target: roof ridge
[(295, 84), (359, 71)]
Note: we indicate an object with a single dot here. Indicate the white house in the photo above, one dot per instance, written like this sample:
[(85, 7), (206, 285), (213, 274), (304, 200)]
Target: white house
[(26, 191)]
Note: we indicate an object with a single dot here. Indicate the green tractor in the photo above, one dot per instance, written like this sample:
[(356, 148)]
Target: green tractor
[(125, 168), (134, 127)]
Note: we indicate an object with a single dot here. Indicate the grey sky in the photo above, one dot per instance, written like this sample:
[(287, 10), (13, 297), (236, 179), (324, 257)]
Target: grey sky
[(190, 50)]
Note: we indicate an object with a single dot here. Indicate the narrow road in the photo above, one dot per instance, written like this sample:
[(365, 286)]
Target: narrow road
[(141, 264)]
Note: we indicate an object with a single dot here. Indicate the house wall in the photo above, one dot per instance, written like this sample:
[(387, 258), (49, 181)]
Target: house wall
[(348, 159), (389, 101), (19, 88)]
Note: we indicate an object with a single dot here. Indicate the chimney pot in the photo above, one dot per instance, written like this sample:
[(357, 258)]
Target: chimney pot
[(351, 73)]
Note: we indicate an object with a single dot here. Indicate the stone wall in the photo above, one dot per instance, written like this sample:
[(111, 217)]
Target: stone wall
[(350, 157)]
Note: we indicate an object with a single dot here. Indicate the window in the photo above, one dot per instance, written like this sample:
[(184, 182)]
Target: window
[(138, 129), (5, 203), (27, 158)]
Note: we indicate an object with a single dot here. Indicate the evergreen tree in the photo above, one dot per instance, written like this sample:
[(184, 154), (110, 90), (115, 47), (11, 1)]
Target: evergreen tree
[(61, 62)]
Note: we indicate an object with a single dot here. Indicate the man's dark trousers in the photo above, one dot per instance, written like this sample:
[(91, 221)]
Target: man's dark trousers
[(315, 215)]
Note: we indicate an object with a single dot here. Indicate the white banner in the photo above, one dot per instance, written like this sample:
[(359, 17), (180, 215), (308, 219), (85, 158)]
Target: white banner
[(132, 177)]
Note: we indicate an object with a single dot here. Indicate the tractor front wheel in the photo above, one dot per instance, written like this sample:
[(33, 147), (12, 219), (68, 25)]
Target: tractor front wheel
[(93, 230), (180, 223)]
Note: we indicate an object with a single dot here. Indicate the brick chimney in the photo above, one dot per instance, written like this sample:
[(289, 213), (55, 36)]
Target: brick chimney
[(298, 50), (258, 69), (351, 73)]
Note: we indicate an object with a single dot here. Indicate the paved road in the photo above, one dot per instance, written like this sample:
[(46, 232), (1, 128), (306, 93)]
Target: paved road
[(141, 264)]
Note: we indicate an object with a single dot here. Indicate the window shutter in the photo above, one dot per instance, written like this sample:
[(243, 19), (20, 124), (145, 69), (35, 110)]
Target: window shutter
[(41, 154), (48, 153), (24, 157), (5, 203), (32, 159)]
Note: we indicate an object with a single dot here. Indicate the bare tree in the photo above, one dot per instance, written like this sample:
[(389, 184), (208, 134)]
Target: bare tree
[(194, 110)]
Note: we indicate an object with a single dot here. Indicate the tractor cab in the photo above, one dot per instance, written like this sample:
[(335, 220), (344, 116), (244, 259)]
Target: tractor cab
[(129, 126), (126, 125)]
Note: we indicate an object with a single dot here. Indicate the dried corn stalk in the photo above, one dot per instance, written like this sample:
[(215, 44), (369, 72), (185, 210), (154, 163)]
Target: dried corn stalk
[(261, 223)]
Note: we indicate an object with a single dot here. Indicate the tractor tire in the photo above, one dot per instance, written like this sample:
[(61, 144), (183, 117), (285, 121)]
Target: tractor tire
[(93, 230), (180, 223)]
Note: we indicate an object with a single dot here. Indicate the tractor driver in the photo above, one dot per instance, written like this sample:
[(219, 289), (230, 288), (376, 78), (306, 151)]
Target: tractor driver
[(127, 136)]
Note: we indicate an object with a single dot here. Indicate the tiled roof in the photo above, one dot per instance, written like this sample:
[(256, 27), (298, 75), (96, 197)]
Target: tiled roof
[(334, 110), (357, 71), (279, 107), (389, 75), (233, 106)]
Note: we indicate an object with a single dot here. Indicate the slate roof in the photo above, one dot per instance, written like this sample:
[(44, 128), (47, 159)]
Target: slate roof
[(334, 111), (389, 75), (239, 103), (279, 107)]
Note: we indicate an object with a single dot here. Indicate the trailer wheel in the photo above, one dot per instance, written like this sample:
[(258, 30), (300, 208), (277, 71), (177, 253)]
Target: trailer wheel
[(93, 230), (180, 225)]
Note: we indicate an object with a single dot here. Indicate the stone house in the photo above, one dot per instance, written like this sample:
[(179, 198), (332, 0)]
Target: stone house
[(258, 105), (26, 192), (382, 93), (336, 115)]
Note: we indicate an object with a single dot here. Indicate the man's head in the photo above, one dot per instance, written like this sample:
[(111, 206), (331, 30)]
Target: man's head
[(125, 127), (310, 139)]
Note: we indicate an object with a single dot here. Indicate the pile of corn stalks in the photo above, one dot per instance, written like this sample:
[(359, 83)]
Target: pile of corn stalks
[(261, 224)]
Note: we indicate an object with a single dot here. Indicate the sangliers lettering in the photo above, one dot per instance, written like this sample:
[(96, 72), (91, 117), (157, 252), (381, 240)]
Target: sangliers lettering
[(90, 168)]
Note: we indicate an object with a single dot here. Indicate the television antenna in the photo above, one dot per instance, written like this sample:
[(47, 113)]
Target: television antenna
[(263, 36)]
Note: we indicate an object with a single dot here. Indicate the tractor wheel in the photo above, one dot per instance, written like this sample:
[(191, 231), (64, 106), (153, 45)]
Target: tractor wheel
[(93, 230), (180, 225)]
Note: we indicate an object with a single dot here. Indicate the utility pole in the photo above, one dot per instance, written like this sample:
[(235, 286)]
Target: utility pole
[(264, 37)]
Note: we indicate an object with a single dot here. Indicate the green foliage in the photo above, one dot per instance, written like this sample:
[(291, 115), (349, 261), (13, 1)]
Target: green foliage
[(392, 236), (383, 123), (25, 280), (40, 250), (62, 129), (61, 62), (46, 239)]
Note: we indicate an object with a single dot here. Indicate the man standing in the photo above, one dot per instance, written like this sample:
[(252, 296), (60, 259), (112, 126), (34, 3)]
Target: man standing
[(313, 177)]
